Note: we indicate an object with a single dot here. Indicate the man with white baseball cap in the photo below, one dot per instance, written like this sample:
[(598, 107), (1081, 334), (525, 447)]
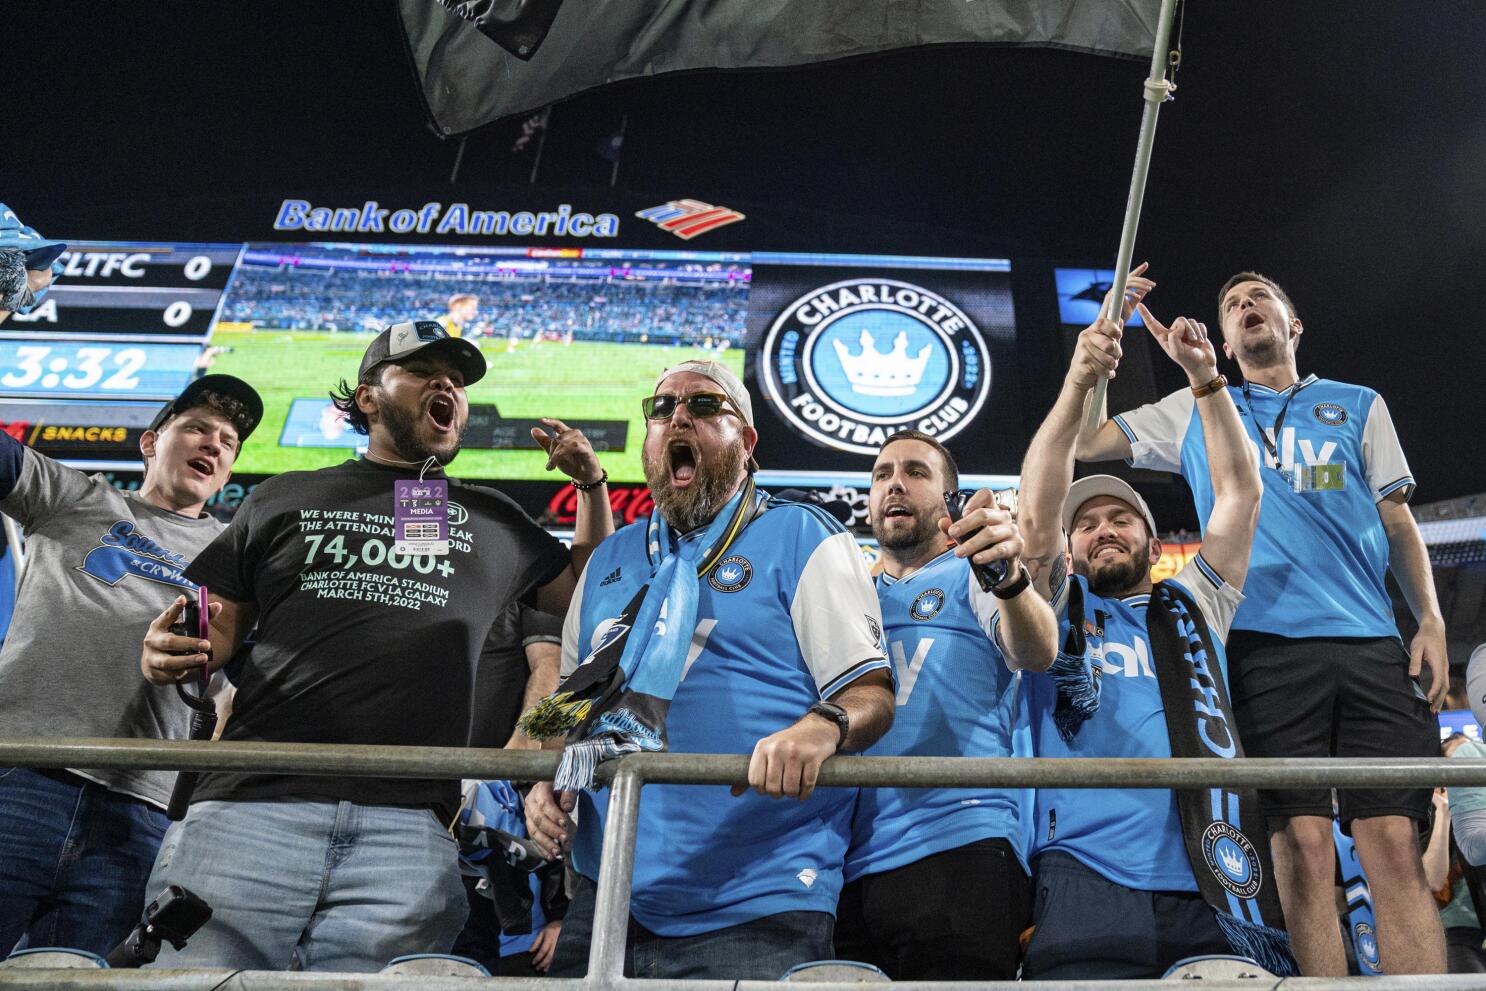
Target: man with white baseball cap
[(1123, 893), (771, 645)]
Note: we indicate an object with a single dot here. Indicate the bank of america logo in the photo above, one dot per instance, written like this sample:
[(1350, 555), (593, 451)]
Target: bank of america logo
[(688, 218)]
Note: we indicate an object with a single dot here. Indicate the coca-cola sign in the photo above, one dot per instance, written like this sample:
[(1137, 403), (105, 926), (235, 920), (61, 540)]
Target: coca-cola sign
[(631, 502)]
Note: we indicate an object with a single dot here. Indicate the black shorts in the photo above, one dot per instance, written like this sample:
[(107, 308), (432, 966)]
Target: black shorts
[(955, 915), (1331, 697)]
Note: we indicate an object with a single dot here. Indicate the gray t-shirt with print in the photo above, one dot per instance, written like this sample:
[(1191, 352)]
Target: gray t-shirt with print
[(100, 565)]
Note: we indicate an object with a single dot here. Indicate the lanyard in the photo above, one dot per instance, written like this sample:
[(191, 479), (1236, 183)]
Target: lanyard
[(1270, 440)]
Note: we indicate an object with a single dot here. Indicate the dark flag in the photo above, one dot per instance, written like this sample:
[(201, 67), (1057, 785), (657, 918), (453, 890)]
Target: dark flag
[(468, 79)]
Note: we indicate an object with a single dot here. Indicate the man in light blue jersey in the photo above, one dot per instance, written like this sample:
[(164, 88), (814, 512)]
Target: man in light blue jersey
[(1121, 889), (1318, 666), (937, 886), (783, 660)]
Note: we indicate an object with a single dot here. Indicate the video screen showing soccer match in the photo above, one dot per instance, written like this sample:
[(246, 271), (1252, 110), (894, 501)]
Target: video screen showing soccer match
[(838, 350), (580, 339)]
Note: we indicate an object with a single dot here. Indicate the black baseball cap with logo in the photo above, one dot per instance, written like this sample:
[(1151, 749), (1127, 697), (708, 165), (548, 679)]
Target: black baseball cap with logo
[(227, 385), (403, 340)]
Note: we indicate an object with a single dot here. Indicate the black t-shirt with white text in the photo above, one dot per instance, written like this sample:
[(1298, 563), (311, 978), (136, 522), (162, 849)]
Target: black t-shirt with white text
[(355, 643)]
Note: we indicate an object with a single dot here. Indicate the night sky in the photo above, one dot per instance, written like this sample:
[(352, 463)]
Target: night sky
[(1339, 147)]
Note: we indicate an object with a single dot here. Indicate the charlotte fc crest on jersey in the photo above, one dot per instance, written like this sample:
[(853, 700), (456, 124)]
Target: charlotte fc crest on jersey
[(927, 604), (1330, 414), (732, 574), (1232, 859), (1367, 945), (850, 363)]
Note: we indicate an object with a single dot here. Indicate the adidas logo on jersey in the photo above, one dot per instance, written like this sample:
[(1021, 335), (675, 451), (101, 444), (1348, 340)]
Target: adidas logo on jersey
[(610, 579)]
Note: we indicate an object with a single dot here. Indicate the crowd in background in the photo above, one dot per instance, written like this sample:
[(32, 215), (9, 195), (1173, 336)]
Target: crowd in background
[(654, 310)]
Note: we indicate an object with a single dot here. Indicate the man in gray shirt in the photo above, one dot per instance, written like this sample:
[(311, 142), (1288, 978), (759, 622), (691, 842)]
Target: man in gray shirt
[(76, 846)]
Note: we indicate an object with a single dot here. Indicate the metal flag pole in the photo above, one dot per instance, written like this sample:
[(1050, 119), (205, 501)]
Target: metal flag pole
[(1158, 90)]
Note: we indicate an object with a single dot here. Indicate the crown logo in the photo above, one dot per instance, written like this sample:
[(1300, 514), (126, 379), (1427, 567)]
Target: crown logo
[(872, 373), (1232, 862)]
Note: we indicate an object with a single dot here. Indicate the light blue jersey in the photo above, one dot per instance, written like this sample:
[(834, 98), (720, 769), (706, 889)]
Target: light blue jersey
[(1131, 836), (788, 617), (956, 698), (1320, 554)]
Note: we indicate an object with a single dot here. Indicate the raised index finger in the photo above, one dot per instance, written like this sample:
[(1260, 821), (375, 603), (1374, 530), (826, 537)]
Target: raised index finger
[(1151, 323)]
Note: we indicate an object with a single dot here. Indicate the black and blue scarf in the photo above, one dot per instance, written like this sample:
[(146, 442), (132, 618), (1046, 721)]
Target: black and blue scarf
[(1223, 829)]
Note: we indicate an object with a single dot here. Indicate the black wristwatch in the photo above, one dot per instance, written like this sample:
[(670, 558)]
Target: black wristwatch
[(1015, 588), (835, 714)]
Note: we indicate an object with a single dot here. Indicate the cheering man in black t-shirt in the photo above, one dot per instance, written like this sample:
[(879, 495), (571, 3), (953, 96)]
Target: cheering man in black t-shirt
[(361, 639)]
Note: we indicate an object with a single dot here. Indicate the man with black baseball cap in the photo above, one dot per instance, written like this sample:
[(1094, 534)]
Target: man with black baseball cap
[(76, 846), (372, 584)]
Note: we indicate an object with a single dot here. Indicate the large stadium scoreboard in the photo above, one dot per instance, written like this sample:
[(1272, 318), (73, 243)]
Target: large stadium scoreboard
[(838, 350), (124, 328)]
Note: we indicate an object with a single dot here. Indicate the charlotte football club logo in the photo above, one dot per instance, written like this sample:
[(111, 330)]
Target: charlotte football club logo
[(732, 574), (927, 605), (1330, 414), (1367, 945), (852, 362), (1232, 859)]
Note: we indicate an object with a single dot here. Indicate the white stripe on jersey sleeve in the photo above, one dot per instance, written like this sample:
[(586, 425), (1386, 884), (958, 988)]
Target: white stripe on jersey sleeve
[(1215, 597), (572, 624), (987, 607), (1156, 430), (834, 612), (1382, 458)]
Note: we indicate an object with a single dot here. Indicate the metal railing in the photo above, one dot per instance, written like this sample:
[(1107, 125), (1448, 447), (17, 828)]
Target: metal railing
[(626, 777)]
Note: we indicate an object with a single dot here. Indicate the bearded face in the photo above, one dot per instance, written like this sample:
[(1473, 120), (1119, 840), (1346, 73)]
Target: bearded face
[(907, 528), (691, 485), (410, 435), (1112, 547), (1114, 569)]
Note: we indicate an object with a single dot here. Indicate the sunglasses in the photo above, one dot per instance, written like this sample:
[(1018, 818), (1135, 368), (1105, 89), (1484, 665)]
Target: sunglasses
[(702, 405)]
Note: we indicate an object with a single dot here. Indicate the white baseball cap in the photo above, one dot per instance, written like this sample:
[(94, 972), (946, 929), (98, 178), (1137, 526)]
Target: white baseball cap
[(727, 381), (1095, 486)]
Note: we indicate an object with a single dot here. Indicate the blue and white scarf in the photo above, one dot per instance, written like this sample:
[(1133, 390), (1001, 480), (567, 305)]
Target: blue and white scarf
[(615, 703)]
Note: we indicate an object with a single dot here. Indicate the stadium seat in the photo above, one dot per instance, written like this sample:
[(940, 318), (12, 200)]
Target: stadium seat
[(53, 958), (1216, 968), (435, 965), (836, 972)]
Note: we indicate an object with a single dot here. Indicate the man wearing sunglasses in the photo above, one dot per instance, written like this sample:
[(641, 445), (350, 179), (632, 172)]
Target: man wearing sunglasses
[(785, 661)]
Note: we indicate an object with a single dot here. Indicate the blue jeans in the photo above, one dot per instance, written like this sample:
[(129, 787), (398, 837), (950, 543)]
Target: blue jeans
[(761, 950), (1091, 929), (313, 885), (74, 858)]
